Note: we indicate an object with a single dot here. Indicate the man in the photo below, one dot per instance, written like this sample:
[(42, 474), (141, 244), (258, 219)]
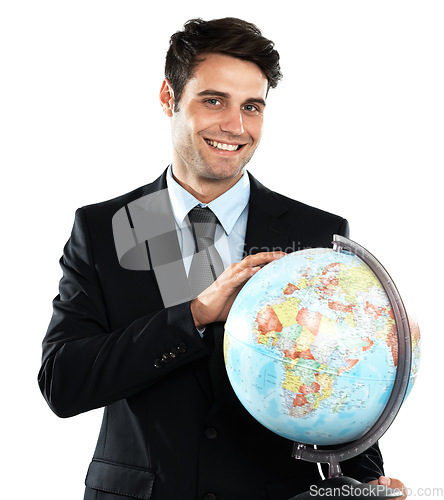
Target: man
[(133, 336)]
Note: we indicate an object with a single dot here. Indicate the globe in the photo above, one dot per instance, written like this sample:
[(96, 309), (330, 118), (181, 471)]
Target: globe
[(311, 347)]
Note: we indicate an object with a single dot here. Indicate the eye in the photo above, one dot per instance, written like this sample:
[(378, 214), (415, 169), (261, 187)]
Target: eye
[(213, 101), (251, 108)]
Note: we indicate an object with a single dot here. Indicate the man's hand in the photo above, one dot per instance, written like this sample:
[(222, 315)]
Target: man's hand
[(394, 484), (214, 303)]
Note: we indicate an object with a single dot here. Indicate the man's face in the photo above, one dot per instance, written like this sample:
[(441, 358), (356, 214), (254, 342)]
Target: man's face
[(219, 122)]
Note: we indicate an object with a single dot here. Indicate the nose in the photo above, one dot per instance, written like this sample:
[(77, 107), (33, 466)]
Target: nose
[(232, 122)]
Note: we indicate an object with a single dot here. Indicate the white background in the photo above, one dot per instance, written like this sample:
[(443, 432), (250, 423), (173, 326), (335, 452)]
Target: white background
[(356, 128)]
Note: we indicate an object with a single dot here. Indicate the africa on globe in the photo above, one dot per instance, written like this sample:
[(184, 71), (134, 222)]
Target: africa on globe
[(311, 347)]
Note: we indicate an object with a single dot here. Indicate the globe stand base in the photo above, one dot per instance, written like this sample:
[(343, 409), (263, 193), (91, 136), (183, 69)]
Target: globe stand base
[(345, 488)]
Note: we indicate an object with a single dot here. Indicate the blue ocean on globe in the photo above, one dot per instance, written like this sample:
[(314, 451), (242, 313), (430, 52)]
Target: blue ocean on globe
[(311, 347)]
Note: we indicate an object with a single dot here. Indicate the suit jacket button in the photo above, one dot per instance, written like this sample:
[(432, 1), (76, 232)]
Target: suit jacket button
[(158, 363), (174, 352), (210, 496), (166, 357), (183, 347), (211, 433)]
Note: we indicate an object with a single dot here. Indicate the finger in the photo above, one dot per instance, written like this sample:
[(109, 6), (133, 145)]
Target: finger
[(260, 259), (246, 268), (263, 257), (236, 275), (241, 276), (394, 484)]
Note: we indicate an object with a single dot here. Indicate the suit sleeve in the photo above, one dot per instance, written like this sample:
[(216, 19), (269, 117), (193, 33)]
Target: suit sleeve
[(85, 365)]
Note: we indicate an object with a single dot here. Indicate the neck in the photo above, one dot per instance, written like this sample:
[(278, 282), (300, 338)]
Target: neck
[(203, 189)]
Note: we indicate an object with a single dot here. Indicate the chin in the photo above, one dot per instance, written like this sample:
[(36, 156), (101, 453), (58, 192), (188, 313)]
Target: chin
[(221, 174), (224, 170)]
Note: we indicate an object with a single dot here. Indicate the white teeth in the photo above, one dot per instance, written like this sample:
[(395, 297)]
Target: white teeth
[(223, 146)]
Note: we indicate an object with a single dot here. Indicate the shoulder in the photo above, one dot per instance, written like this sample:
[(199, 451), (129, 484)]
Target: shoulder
[(307, 210), (280, 203), (297, 216), (114, 204), (106, 209), (93, 223)]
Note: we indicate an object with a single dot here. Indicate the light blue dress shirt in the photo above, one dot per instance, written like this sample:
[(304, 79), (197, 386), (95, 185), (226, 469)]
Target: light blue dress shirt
[(231, 209)]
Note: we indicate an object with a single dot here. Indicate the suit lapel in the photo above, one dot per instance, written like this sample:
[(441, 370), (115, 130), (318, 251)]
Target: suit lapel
[(265, 230), (146, 239), (155, 226)]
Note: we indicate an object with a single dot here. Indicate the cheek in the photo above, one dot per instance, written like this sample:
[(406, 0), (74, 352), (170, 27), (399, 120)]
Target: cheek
[(196, 119), (256, 129), (205, 122), (182, 128)]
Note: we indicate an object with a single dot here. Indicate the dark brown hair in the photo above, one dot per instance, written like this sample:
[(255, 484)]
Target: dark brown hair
[(229, 36)]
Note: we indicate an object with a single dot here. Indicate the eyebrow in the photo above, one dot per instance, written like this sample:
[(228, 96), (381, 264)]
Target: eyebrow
[(218, 93)]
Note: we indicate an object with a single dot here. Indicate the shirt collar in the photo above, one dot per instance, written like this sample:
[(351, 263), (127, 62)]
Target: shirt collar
[(227, 207)]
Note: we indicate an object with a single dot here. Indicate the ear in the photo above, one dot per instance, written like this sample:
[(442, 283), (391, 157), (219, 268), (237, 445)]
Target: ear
[(167, 98)]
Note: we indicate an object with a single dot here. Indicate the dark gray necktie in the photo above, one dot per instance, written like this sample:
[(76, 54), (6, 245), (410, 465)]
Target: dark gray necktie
[(206, 266)]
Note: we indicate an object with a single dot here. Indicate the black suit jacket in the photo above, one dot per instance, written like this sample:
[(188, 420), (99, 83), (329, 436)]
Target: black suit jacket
[(164, 435)]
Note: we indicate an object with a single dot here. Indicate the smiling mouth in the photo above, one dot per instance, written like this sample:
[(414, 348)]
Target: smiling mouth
[(223, 146)]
